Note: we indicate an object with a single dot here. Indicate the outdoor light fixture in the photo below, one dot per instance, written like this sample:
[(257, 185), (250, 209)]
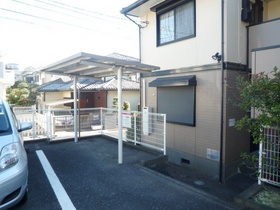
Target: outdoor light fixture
[(217, 57)]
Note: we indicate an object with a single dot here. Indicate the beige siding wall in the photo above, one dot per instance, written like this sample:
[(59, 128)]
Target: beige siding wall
[(199, 50), (52, 77), (190, 52), (235, 33), (53, 96), (208, 112), (206, 133), (193, 142), (272, 9), (133, 97)]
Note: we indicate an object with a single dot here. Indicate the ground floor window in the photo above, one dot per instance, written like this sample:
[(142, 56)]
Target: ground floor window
[(176, 98)]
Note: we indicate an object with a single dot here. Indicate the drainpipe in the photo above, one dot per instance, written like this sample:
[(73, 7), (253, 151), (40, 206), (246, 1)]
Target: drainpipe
[(222, 93), (142, 85), (139, 34)]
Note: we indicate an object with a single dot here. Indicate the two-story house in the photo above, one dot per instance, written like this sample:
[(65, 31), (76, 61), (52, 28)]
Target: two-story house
[(201, 47), (8, 74)]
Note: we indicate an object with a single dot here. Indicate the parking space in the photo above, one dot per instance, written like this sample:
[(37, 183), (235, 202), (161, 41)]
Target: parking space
[(91, 178)]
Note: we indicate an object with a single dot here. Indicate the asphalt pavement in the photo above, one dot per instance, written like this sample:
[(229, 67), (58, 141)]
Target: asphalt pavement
[(86, 175)]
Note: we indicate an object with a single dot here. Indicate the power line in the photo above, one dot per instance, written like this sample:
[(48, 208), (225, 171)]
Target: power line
[(42, 18), (81, 11), (14, 19), (36, 14), (69, 15), (124, 19), (47, 19), (46, 9)]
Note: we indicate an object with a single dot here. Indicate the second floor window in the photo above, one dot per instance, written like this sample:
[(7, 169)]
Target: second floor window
[(177, 23)]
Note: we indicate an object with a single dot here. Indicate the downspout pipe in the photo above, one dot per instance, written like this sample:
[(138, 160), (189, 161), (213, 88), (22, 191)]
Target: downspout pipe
[(139, 34), (142, 86), (222, 93)]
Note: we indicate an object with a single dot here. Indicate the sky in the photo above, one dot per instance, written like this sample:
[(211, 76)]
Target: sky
[(36, 33)]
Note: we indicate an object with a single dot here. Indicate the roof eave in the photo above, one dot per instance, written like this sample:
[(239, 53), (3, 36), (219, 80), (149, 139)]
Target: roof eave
[(127, 10)]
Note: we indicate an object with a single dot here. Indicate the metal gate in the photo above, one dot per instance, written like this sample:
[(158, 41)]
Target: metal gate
[(269, 157)]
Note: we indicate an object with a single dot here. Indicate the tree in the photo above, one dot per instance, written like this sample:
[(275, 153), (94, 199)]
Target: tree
[(21, 94), (261, 93), (125, 104)]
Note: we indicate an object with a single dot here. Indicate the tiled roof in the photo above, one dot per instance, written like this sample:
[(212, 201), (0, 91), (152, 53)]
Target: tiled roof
[(112, 84), (82, 82), (56, 85), (60, 85)]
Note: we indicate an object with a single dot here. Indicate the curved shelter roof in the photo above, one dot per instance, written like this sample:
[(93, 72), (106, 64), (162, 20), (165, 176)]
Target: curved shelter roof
[(91, 65)]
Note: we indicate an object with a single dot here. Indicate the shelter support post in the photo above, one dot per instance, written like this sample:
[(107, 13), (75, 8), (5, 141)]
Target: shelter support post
[(120, 142), (49, 119), (75, 109)]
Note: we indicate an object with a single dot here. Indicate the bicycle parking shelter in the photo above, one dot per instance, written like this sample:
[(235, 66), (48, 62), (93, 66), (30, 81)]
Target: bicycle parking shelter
[(91, 65)]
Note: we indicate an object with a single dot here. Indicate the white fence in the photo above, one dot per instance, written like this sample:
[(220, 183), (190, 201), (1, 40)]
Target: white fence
[(38, 120), (269, 158), (148, 129)]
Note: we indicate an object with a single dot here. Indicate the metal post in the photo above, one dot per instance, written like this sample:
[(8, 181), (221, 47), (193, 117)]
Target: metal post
[(49, 123), (135, 127), (144, 92), (260, 163), (164, 134), (101, 119), (75, 109), (33, 121), (120, 143), (79, 112)]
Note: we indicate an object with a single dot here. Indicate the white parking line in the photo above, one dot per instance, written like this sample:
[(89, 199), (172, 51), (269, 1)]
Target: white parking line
[(63, 198)]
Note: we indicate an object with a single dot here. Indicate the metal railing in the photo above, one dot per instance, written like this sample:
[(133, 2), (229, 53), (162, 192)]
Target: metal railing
[(148, 130), (269, 157)]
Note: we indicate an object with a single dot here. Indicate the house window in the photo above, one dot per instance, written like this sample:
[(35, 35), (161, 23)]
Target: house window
[(257, 12), (176, 22), (176, 98)]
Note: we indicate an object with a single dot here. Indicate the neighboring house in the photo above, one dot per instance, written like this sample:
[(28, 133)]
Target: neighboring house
[(58, 90), (201, 47), (130, 91), (27, 75), (92, 93), (7, 76), (40, 78), (13, 69)]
